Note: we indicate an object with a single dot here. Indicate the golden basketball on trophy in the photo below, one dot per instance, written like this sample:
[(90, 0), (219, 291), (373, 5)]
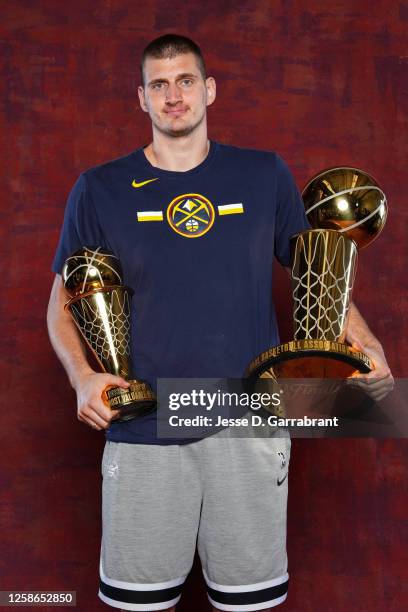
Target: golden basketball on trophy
[(347, 210), (100, 307)]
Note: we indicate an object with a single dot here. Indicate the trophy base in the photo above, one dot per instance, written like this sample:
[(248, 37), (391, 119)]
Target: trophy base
[(310, 359), (135, 401)]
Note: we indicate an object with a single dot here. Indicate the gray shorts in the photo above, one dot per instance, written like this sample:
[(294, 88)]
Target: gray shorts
[(227, 496)]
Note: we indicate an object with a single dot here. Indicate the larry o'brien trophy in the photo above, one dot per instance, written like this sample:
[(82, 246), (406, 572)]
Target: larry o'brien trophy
[(100, 307), (347, 210)]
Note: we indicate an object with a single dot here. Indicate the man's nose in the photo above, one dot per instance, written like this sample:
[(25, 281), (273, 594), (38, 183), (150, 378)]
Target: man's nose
[(173, 93)]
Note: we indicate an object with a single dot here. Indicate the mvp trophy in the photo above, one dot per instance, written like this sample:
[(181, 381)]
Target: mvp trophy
[(100, 307), (347, 210)]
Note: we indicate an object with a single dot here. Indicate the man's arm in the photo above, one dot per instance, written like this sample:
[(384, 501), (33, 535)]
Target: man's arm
[(67, 343), (379, 382)]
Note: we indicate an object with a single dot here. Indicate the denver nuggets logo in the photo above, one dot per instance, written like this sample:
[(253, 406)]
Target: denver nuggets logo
[(190, 215)]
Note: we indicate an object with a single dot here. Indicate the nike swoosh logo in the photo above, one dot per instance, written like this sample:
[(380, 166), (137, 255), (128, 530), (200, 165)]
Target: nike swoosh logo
[(137, 185), (283, 480)]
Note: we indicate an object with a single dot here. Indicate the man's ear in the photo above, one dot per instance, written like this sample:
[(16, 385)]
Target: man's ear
[(142, 101), (211, 90)]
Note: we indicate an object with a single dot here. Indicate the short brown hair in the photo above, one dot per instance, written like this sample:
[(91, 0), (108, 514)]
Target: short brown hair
[(169, 46)]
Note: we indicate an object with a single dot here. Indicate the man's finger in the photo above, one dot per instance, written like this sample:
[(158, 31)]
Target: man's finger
[(377, 390), (117, 381), (90, 422), (98, 420), (99, 407), (370, 378), (372, 385)]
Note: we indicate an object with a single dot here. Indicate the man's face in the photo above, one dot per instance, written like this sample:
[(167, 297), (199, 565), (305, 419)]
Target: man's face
[(175, 94)]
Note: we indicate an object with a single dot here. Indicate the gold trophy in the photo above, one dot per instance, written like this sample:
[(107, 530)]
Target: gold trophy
[(100, 307), (347, 210)]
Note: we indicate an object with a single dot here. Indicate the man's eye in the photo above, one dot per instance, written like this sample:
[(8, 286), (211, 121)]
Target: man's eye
[(157, 86), (186, 82)]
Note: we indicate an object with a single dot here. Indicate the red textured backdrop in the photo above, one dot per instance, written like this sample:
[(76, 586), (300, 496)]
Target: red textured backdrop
[(323, 83)]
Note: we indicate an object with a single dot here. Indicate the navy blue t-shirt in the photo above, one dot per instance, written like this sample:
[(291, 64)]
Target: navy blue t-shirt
[(197, 249)]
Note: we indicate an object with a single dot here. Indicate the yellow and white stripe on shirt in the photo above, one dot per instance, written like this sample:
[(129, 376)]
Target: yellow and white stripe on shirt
[(230, 209), (150, 215)]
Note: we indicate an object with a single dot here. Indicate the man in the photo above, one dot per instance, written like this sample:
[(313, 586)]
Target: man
[(195, 225)]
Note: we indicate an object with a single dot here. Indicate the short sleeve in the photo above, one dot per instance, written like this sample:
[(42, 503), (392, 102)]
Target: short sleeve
[(290, 212), (80, 227)]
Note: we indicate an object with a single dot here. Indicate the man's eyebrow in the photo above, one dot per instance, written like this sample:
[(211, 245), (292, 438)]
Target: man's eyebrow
[(157, 81), (183, 75), (186, 75)]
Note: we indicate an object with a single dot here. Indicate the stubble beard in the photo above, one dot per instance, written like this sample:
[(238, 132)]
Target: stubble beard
[(181, 132)]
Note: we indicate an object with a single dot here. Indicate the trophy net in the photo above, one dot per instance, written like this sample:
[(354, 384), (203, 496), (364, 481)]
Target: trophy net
[(104, 320), (323, 274)]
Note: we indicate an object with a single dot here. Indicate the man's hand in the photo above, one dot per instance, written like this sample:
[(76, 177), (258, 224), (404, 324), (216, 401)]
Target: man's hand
[(91, 407), (379, 382)]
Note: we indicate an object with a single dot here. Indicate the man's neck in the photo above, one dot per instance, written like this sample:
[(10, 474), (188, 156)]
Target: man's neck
[(177, 154)]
